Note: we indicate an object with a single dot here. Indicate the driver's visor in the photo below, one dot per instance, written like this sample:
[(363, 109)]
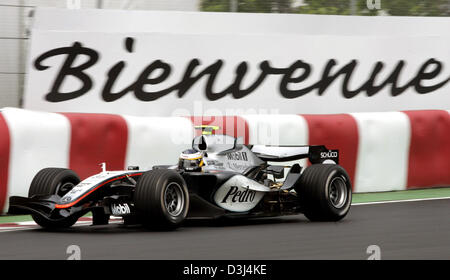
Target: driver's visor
[(190, 163)]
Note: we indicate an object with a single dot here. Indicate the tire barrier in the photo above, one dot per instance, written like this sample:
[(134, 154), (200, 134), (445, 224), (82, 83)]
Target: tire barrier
[(380, 151)]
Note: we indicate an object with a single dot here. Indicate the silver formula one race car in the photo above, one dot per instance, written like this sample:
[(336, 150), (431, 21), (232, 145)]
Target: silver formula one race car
[(218, 177)]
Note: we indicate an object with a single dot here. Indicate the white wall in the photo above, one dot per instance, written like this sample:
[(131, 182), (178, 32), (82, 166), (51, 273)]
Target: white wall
[(13, 44)]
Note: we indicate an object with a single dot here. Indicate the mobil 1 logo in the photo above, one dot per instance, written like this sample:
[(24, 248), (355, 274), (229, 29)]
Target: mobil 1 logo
[(120, 209)]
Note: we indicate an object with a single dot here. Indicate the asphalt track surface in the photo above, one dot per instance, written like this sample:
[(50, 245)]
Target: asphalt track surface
[(406, 230)]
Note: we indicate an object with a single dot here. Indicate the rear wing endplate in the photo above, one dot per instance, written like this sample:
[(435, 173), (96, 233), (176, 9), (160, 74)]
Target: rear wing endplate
[(315, 154)]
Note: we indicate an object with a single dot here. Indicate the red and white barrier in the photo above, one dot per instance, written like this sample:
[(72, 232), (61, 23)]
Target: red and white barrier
[(35, 140), (336, 132), (380, 151), (156, 140), (429, 152), (382, 159)]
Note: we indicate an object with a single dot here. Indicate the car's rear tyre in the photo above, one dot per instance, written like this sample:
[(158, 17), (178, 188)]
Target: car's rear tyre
[(50, 181), (161, 199), (325, 192)]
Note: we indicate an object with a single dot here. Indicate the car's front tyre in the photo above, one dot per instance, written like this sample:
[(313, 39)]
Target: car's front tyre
[(51, 181), (161, 199)]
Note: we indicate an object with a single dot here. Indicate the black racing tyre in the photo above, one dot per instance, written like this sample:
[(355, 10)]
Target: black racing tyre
[(161, 199), (51, 181), (325, 192)]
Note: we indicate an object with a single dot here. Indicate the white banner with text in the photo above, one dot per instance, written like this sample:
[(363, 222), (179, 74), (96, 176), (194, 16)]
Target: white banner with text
[(163, 73)]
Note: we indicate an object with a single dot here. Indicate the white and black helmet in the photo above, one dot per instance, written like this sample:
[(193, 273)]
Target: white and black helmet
[(190, 160)]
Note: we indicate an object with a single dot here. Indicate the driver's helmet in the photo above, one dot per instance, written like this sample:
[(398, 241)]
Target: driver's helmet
[(190, 160)]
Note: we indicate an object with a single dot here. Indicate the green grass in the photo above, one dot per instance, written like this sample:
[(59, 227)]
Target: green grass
[(14, 219), (401, 195), (357, 198)]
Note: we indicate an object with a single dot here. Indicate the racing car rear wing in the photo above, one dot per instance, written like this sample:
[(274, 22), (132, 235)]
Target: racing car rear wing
[(315, 154)]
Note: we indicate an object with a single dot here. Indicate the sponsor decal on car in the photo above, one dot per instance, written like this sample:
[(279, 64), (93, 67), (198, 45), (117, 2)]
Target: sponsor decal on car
[(237, 156), (120, 209), (238, 166), (329, 154), (235, 195), (239, 194)]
